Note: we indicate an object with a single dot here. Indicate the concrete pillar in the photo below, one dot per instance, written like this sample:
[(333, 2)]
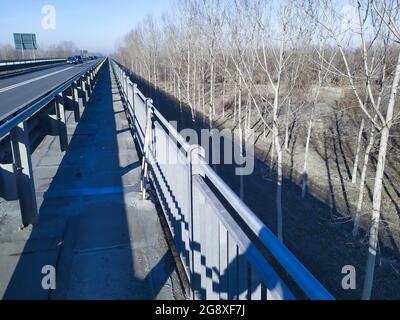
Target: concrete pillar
[(62, 124), (20, 145), (77, 102)]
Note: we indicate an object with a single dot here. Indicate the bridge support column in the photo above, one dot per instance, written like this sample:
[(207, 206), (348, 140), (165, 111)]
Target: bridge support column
[(62, 124), (77, 102), (20, 145)]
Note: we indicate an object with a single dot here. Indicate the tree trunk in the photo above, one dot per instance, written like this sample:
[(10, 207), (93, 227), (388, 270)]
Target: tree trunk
[(155, 72), (174, 84), (179, 93), (305, 168), (287, 127), (250, 115), (204, 94), (234, 104), (188, 78), (279, 182), (194, 83), (240, 109), (223, 98), (362, 185), (376, 214), (377, 198), (211, 110), (278, 148), (355, 169), (272, 160)]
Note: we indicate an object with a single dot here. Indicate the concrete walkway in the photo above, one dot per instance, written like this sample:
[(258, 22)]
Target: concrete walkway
[(104, 241)]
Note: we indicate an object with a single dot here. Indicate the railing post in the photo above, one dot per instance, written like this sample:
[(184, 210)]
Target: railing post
[(193, 154), (84, 91), (126, 85), (62, 125), (146, 148), (124, 82), (134, 90), (95, 75), (77, 101), (21, 150), (89, 85)]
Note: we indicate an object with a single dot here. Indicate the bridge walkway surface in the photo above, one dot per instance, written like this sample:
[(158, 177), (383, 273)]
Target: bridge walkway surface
[(103, 239)]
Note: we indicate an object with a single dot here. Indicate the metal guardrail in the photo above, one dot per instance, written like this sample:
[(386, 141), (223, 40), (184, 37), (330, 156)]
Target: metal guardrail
[(29, 61), (73, 95), (220, 260)]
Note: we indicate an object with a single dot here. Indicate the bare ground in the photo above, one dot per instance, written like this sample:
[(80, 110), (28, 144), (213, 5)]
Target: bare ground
[(317, 230)]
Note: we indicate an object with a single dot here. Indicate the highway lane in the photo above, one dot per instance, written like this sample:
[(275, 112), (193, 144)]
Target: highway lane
[(19, 91)]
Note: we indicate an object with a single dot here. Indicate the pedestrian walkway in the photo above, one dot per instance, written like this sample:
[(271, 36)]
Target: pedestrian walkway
[(103, 240)]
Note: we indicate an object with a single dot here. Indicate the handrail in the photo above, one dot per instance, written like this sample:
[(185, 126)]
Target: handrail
[(37, 106), (292, 266), (306, 281), (27, 61)]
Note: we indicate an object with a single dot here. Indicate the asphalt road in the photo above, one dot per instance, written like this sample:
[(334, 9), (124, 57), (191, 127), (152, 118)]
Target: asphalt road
[(19, 91)]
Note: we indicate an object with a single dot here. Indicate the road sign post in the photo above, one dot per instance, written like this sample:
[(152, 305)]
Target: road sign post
[(25, 42)]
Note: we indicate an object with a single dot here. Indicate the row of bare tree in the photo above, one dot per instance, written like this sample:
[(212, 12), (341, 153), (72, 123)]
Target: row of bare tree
[(277, 56), (62, 50)]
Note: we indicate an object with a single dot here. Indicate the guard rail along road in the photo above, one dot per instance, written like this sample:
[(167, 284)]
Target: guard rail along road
[(220, 259), (29, 61), (27, 127)]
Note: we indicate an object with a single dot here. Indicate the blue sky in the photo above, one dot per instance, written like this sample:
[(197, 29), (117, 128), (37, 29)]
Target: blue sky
[(96, 25)]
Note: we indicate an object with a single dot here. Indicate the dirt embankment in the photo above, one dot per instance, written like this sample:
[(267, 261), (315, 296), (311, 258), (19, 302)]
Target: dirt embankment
[(318, 229)]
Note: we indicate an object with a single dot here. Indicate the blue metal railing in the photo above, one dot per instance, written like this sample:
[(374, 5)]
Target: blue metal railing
[(220, 260)]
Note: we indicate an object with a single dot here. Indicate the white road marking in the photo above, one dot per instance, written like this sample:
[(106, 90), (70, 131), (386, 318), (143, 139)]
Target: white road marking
[(32, 80)]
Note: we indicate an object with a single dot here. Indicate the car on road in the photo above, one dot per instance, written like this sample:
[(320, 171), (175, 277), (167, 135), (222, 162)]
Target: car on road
[(72, 60), (79, 59)]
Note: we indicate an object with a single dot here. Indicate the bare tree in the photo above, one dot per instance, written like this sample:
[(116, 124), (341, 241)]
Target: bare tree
[(368, 13)]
